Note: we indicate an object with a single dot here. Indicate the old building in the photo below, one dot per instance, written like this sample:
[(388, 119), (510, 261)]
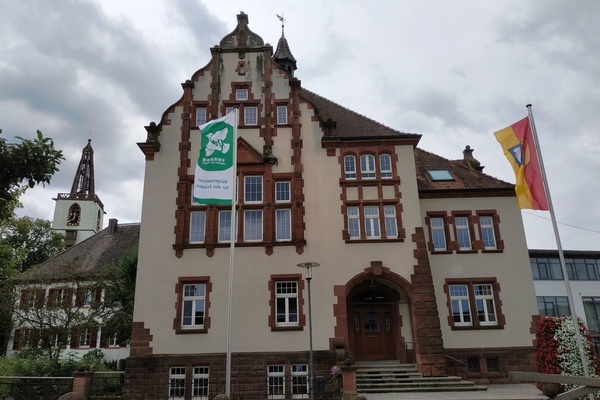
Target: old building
[(422, 259)]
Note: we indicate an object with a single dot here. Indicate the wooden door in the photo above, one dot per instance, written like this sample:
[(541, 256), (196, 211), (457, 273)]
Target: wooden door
[(374, 337)]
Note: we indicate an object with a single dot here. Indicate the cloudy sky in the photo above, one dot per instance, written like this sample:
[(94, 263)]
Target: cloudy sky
[(454, 72)]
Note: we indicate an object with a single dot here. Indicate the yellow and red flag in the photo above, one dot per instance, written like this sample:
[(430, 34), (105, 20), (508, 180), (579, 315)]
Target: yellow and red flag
[(519, 148)]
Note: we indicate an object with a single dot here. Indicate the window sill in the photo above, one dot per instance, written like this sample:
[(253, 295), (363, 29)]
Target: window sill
[(476, 328), (395, 240), (286, 328), (186, 331)]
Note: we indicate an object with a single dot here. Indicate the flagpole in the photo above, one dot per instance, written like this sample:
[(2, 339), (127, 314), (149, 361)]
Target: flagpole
[(584, 359), (232, 238)]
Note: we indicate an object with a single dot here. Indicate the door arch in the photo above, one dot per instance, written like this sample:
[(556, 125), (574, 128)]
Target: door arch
[(374, 322)]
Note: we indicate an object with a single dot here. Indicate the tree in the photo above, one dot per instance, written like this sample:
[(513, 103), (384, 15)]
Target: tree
[(31, 161), (26, 242), (120, 294)]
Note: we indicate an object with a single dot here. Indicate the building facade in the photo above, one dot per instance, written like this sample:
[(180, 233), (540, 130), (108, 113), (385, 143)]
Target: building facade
[(422, 259), (583, 269)]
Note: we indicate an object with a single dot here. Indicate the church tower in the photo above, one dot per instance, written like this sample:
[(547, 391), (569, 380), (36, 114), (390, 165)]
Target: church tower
[(79, 214)]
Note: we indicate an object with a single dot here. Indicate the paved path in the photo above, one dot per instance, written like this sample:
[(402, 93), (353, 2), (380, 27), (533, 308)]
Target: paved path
[(518, 391)]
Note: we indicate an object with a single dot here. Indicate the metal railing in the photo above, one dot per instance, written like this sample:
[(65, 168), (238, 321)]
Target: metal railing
[(34, 388), (107, 384)]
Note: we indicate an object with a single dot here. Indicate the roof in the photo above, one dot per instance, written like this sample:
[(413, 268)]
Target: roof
[(89, 257), (349, 124), (567, 253), (465, 179)]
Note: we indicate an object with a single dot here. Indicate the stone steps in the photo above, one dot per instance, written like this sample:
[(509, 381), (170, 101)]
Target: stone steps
[(393, 377)]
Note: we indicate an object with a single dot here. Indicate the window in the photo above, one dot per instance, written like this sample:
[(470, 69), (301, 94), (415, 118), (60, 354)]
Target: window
[(486, 226), (461, 310), (224, 234), (349, 167), (113, 340), (60, 297), (32, 299), (200, 115), (253, 224), (250, 115), (282, 192), (283, 224), (473, 364), (276, 382), (200, 383), (253, 189), (372, 230), (228, 110), (86, 297), (299, 380), (385, 166), (591, 305), (474, 304), (554, 306), (197, 226), (286, 303), (177, 382), (282, 115), (194, 297), (367, 166), (353, 222), (241, 94), (492, 363), (438, 233), (546, 268), (192, 306), (581, 269), (484, 301), (85, 338), (463, 234), (391, 224), (440, 175)]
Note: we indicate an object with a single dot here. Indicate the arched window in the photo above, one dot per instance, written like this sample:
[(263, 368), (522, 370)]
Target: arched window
[(385, 166), (349, 167), (367, 166), (74, 215)]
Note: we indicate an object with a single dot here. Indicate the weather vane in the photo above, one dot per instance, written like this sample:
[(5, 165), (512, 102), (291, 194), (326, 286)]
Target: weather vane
[(282, 21)]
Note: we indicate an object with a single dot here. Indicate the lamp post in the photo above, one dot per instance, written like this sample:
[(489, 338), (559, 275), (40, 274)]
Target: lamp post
[(308, 266)]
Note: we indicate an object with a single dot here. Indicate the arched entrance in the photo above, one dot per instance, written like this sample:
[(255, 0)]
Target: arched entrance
[(375, 322)]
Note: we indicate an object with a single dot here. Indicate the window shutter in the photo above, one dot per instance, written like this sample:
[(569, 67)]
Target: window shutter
[(17, 339), (41, 294), (94, 337), (74, 338)]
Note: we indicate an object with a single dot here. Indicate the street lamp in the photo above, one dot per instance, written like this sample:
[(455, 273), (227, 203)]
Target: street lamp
[(308, 266)]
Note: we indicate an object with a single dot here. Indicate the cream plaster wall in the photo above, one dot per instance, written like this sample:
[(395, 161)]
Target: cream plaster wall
[(510, 267)]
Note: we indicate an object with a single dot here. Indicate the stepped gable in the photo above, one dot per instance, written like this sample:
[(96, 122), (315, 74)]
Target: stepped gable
[(349, 124), (465, 178), (90, 256)]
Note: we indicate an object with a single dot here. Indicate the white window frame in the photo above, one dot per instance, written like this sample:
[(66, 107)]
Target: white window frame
[(113, 340), (463, 232), (372, 222), (84, 341), (438, 232), (488, 236), (353, 214), (241, 94), (200, 382), (250, 115), (282, 192), (282, 115), (283, 224), (391, 223), (367, 167), (300, 383), (176, 382), (89, 296), (228, 110), (276, 382), (286, 292), (460, 304), (197, 226), (385, 166), (485, 304), (253, 189), (201, 116), (224, 228), (350, 167), (253, 227), (196, 302)]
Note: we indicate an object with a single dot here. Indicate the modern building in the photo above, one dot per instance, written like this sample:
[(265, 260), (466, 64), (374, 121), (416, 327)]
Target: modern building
[(422, 259), (583, 273)]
